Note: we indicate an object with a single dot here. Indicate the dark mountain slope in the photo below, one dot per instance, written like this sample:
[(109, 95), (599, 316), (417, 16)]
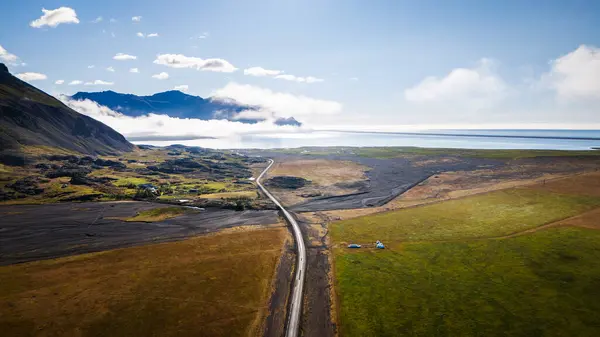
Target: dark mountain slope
[(28, 116), (175, 104)]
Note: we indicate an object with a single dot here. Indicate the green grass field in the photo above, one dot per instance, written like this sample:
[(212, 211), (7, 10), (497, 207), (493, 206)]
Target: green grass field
[(492, 214), (443, 272), (543, 284)]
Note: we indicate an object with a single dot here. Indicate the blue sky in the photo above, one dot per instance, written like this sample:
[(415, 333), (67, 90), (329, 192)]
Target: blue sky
[(488, 62)]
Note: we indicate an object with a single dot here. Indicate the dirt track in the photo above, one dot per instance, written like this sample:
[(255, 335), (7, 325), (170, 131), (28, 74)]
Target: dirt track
[(34, 232)]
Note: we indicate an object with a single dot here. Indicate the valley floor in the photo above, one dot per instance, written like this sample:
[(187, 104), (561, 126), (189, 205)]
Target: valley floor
[(33, 232)]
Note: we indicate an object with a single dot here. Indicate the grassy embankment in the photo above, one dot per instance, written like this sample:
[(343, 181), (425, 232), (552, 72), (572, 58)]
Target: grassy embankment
[(456, 268), (160, 214), (214, 285)]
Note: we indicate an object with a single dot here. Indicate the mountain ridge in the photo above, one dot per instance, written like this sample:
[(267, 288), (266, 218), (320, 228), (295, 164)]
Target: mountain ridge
[(177, 104), (29, 116)]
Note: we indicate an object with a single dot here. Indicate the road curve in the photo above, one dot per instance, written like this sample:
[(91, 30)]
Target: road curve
[(293, 326)]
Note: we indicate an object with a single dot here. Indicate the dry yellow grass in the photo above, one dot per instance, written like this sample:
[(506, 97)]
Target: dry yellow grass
[(585, 184), (320, 171), (214, 285)]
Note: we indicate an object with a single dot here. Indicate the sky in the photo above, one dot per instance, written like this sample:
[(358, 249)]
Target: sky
[(328, 63)]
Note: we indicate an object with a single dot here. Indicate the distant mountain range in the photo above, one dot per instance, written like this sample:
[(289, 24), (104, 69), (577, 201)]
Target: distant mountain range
[(176, 104), (29, 116)]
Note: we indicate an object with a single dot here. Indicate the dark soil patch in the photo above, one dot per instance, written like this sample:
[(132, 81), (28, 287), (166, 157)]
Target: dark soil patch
[(287, 182), (275, 323), (35, 232)]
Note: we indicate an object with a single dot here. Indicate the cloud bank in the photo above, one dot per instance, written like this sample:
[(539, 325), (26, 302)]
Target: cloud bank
[(282, 104), (478, 85), (154, 127), (576, 75)]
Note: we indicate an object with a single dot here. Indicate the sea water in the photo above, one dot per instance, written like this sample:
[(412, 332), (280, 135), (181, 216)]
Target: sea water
[(467, 139)]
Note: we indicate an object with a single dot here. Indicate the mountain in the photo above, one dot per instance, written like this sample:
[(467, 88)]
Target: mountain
[(287, 121), (29, 116), (176, 104)]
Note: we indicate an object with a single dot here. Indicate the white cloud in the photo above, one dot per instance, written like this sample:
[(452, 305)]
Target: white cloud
[(183, 87), (202, 36), (29, 76), (136, 19), (99, 82), (478, 86), (59, 82), (308, 79), (294, 78), (162, 127), (8, 57), (55, 17), (182, 61), (577, 74), (75, 82), (91, 66), (111, 69), (260, 71), (282, 104), (140, 34), (97, 20), (161, 76), (112, 20), (152, 35), (279, 74), (134, 70), (124, 57)]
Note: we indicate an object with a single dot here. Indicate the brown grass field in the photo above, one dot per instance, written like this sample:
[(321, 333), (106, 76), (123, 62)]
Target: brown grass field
[(214, 285), (324, 175), (320, 171), (585, 184), (452, 185)]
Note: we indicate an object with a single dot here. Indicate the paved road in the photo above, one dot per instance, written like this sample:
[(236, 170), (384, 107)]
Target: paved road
[(296, 303)]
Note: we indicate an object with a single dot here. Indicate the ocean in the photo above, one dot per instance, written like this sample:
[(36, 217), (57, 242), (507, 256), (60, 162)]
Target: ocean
[(467, 139)]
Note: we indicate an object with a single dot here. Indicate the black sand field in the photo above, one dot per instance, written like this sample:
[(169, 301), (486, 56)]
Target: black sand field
[(34, 232)]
